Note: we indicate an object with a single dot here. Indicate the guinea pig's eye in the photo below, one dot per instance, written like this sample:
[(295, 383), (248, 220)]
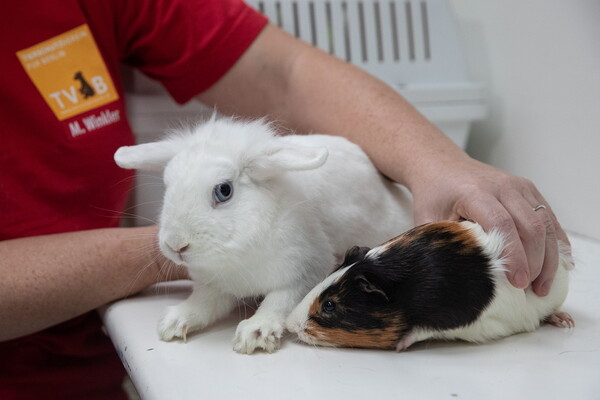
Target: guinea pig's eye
[(328, 306), (223, 192)]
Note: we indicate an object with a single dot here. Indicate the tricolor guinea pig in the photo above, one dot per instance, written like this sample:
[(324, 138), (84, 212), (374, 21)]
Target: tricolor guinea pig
[(436, 281)]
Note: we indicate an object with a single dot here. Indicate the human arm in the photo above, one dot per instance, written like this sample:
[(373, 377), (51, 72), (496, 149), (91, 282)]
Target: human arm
[(308, 90), (53, 278)]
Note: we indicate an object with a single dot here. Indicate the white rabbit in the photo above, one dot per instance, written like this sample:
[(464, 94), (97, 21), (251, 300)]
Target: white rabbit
[(251, 214)]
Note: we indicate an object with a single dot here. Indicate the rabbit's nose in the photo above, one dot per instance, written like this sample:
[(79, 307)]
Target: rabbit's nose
[(178, 248), (183, 249)]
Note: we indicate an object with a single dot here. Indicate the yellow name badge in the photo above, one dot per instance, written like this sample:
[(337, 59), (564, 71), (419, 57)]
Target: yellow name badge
[(69, 72)]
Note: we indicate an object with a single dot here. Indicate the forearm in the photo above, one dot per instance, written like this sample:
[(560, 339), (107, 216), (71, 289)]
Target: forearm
[(399, 140), (50, 279), (302, 90)]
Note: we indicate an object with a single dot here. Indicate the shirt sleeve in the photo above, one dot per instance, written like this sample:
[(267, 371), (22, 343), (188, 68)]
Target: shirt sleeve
[(187, 45)]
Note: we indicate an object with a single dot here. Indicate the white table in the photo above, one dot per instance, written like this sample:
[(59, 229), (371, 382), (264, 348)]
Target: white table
[(549, 364)]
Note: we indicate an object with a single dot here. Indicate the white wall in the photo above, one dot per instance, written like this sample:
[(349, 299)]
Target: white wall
[(540, 60)]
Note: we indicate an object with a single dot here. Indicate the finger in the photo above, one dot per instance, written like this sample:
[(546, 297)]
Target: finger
[(564, 246), (554, 233), (491, 214), (532, 227), (543, 282), (560, 233)]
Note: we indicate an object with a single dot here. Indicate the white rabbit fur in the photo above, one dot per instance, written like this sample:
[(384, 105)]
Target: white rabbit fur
[(298, 202)]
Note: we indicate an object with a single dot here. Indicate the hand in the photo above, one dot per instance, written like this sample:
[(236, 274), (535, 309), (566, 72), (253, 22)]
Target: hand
[(493, 198)]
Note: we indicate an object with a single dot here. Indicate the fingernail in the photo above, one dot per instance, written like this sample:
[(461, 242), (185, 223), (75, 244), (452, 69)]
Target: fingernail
[(521, 279), (545, 288)]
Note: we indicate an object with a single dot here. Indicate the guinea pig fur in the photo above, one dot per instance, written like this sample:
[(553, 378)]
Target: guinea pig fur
[(253, 214), (437, 281)]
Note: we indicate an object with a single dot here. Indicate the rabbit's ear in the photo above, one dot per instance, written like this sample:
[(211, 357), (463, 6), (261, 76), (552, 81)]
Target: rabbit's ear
[(148, 156), (277, 159)]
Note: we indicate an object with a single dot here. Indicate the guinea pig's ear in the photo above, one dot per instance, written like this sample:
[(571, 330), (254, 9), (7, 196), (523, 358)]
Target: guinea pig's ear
[(149, 156), (354, 254), (366, 286), (281, 157)]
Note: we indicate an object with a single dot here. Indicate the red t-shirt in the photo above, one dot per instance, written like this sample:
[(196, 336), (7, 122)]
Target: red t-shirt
[(62, 117)]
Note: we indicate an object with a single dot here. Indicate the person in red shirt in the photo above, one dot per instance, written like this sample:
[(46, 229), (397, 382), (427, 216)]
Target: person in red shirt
[(62, 251), (62, 195)]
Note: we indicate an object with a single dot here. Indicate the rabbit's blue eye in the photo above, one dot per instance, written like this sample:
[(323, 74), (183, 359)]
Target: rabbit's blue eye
[(223, 192), (329, 306)]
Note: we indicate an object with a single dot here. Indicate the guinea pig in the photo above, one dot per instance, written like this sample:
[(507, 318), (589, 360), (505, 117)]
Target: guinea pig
[(441, 280)]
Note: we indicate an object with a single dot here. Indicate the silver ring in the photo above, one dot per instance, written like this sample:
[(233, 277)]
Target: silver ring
[(539, 207)]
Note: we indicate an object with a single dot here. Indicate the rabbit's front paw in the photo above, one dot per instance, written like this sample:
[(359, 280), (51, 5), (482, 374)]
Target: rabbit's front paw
[(178, 322), (258, 333)]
